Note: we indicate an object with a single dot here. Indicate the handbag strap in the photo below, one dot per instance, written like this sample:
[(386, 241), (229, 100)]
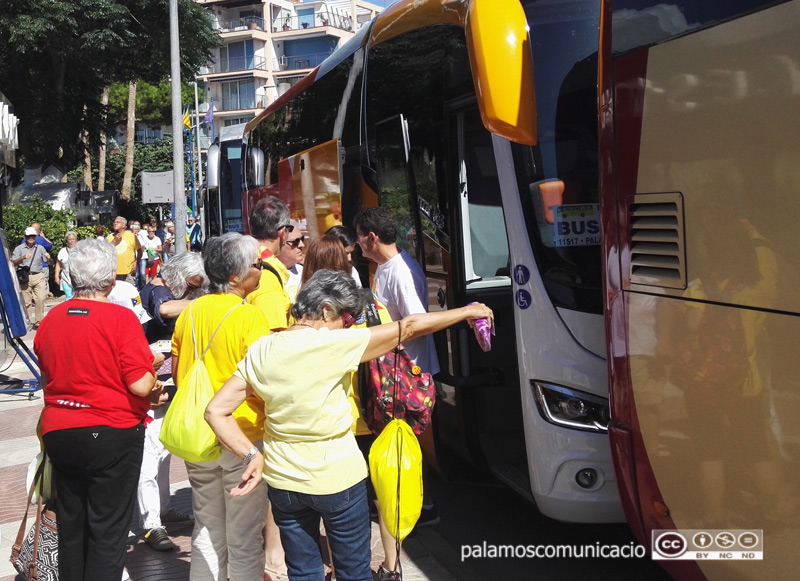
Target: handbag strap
[(373, 318), (395, 390), (208, 345), (22, 526)]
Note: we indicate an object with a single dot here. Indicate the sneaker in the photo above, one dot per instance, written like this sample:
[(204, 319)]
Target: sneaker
[(429, 516), (158, 539), (172, 516), (384, 575)]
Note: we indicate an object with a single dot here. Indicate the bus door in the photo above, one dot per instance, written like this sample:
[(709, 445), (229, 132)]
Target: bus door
[(478, 414)]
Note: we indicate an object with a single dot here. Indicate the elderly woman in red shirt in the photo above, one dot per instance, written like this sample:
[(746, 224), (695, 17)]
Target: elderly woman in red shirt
[(98, 377)]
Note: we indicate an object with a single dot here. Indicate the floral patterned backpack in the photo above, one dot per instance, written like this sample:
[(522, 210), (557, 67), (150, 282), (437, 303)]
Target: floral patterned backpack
[(392, 387)]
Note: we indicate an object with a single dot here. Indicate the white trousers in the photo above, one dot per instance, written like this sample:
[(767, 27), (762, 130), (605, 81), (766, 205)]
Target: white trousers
[(153, 491), (228, 536)]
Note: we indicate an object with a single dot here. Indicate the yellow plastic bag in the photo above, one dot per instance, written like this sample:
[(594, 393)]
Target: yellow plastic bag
[(396, 455), (185, 431)]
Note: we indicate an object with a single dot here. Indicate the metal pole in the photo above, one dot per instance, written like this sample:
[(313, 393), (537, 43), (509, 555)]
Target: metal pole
[(197, 136), (198, 216), (178, 192)]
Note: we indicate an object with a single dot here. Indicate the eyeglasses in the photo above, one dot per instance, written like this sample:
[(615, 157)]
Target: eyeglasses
[(296, 242), (348, 320), (289, 227), (259, 265)]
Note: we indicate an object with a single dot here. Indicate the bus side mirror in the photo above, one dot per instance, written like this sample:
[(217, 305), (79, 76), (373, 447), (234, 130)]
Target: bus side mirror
[(255, 167), (212, 167), (502, 69)]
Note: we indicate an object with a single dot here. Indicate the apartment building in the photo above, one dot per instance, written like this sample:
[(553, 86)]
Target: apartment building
[(268, 47)]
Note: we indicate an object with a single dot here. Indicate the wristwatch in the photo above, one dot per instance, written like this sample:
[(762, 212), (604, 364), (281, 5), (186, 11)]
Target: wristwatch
[(249, 456)]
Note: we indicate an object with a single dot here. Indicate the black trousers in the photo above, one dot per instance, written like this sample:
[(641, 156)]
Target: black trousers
[(96, 473)]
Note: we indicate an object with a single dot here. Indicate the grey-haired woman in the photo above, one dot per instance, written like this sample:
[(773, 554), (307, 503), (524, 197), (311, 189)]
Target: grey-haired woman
[(164, 298), (311, 460), (62, 265), (228, 541), (97, 391)]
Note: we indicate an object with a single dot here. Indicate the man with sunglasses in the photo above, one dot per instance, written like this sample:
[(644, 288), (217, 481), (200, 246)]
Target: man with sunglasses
[(270, 225), (291, 256)]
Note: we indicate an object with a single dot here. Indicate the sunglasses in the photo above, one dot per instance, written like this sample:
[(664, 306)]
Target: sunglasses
[(296, 242), (289, 227), (348, 320), (259, 265)]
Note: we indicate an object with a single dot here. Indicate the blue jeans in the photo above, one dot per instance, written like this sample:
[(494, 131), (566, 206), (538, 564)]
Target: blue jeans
[(141, 274), (346, 518)]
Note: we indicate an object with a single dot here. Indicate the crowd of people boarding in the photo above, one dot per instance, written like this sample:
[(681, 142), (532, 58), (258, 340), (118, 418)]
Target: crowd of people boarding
[(279, 322)]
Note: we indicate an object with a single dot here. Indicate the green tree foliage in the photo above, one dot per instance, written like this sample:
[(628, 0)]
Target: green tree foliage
[(55, 223), (153, 102), (58, 55)]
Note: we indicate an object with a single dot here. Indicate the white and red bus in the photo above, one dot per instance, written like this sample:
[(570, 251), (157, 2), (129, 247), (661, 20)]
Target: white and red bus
[(700, 187)]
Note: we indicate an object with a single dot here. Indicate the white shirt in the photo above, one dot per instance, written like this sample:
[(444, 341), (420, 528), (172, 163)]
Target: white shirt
[(401, 285), (63, 258), (292, 285), (126, 295), (152, 243)]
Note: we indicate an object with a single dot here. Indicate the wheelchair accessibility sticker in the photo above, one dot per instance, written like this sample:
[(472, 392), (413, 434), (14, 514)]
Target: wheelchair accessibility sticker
[(523, 299)]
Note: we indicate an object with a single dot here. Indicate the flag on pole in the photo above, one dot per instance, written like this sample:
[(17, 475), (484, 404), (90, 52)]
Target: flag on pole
[(209, 118), (186, 122)]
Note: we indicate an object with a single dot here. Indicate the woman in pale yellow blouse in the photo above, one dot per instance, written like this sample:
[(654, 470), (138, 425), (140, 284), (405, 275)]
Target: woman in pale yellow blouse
[(311, 461)]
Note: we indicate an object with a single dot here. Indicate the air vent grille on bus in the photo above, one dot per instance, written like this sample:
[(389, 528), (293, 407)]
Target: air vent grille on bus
[(657, 240)]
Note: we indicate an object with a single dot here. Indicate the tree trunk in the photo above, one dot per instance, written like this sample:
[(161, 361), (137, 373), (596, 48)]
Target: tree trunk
[(101, 156), (87, 156), (126, 182)]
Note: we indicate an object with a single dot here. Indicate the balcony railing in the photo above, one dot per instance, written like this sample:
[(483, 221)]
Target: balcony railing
[(247, 23), (236, 103), (299, 61), (315, 20), (238, 64)]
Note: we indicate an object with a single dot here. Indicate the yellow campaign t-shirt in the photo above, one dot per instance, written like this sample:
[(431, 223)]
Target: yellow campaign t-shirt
[(126, 251), (270, 296), (304, 376), (241, 328)]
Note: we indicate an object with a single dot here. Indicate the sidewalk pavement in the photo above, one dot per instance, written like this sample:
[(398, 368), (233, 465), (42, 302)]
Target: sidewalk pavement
[(425, 554)]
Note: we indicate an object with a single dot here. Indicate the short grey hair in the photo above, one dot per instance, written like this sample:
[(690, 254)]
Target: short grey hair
[(92, 266), (328, 288), (226, 257), (71, 233), (267, 217), (179, 268)]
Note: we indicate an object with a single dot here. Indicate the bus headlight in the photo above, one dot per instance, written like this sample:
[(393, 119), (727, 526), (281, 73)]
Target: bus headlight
[(571, 408)]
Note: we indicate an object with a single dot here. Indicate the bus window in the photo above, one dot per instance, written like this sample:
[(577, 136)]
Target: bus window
[(407, 82), (395, 185), (558, 178), (485, 241)]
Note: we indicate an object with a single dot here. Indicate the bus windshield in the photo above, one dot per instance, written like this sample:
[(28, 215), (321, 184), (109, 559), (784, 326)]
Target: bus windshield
[(558, 178)]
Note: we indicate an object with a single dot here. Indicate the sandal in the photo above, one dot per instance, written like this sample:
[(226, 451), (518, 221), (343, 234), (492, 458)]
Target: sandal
[(274, 575)]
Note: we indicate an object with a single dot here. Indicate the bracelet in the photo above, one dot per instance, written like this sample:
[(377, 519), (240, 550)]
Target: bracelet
[(249, 456)]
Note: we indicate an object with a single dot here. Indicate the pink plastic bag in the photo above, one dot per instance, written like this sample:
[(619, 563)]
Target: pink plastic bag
[(483, 333)]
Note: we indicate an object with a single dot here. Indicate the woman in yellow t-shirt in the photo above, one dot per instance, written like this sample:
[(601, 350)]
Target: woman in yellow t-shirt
[(311, 459), (224, 524)]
